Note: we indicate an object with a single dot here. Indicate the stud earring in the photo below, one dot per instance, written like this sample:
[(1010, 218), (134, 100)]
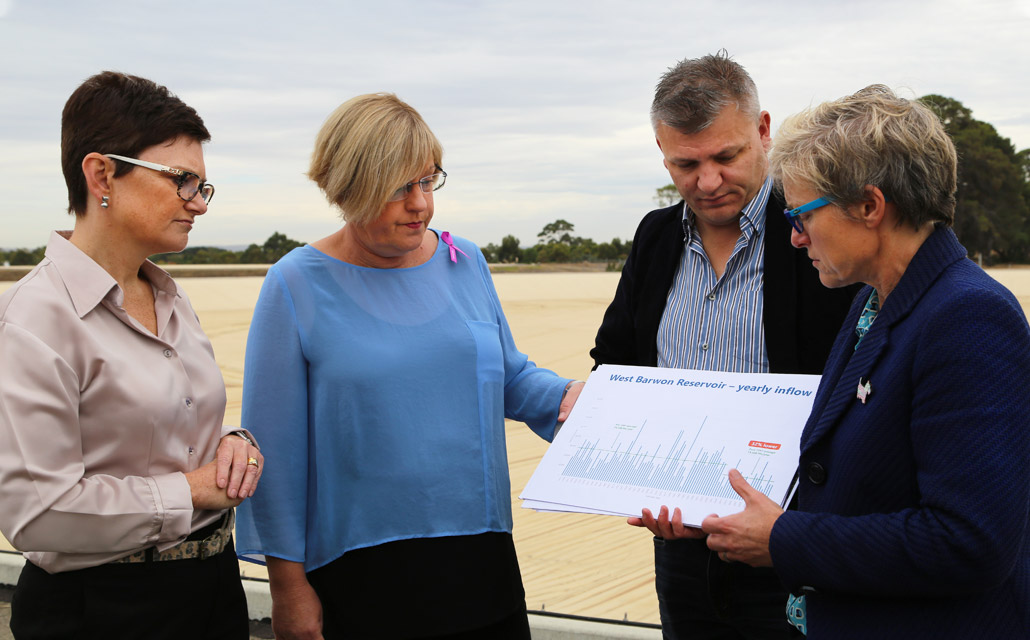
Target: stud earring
[(104, 201)]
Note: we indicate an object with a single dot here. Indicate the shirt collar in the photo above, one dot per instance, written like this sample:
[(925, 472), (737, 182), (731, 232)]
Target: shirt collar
[(752, 218), (88, 284)]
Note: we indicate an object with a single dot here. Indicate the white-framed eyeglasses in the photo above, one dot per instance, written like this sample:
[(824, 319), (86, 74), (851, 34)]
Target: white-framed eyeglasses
[(189, 183), (428, 184)]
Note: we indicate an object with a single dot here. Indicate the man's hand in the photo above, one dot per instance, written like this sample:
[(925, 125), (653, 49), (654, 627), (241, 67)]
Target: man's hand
[(664, 527)]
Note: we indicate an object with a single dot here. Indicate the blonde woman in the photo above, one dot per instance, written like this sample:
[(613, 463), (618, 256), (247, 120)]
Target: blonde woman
[(380, 369)]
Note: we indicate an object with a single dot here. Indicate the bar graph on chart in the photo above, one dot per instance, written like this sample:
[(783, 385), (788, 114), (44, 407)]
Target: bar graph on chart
[(645, 437), (686, 468)]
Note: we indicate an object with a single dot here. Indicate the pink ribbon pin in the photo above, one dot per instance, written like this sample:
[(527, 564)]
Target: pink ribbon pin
[(446, 237)]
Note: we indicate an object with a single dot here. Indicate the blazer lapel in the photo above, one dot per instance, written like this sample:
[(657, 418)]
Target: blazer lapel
[(852, 367), (848, 367)]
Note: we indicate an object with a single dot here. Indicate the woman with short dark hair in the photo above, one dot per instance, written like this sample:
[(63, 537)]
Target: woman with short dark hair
[(118, 475)]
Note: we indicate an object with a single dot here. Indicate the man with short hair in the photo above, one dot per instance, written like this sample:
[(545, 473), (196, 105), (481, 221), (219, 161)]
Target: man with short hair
[(713, 283)]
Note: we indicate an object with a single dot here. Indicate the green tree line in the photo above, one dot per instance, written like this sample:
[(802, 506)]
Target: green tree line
[(277, 246), (274, 248), (555, 243), (992, 217), (22, 257)]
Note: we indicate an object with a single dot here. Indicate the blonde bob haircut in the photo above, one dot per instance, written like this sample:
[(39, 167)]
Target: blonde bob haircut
[(871, 137), (369, 147)]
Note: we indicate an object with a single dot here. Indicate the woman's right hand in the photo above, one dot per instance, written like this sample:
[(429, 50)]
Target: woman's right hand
[(296, 609), (205, 491)]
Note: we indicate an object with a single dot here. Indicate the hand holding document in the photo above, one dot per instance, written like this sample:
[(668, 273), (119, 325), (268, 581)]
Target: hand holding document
[(643, 437)]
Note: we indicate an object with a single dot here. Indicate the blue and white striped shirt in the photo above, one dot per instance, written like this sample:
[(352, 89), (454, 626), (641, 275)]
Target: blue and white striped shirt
[(714, 323)]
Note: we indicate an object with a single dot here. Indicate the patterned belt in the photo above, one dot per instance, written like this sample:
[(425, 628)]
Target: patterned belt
[(205, 546)]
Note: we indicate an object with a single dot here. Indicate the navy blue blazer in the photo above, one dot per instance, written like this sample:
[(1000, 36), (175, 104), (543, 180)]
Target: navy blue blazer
[(912, 516)]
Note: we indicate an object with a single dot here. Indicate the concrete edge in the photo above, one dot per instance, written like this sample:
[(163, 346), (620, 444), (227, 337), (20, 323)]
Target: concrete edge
[(259, 599), (556, 628), (10, 567), (259, 605)]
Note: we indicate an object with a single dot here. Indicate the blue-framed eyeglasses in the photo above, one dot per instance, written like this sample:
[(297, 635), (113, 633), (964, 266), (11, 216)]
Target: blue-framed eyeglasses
[(794, 215)]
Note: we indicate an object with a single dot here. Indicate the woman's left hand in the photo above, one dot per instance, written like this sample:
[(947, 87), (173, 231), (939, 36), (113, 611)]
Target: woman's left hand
[(744, 536), (233, 471), (569, 400)]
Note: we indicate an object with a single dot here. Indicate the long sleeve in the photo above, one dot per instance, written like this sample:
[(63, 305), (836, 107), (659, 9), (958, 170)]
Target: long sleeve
[(531, 394), (628, 333), (616, 337), (962, 391), (275, 409), (100, 419), (47, 495)]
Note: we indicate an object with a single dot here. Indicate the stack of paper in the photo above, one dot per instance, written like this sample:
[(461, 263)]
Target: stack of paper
[(646, 437)]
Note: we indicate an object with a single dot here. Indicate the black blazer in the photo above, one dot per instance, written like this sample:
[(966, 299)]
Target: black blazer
[(801, 316)]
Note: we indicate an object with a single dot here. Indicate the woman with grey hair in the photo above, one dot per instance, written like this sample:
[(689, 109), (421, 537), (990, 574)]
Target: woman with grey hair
[(901, 530)]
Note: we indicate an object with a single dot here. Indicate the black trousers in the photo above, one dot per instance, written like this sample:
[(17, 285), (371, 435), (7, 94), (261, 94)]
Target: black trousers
[(196, 599), (700, 597)]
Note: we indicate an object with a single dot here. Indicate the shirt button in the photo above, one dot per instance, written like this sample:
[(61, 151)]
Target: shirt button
[(816, 473), (711, 296), (168, 353), (189, 403), (192, 451), (704, 347)]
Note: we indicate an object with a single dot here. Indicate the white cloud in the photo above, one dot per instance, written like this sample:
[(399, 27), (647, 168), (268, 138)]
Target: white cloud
[(541, 105)]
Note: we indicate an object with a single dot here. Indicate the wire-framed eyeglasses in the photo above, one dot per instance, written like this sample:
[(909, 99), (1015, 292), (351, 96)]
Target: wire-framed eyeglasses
[(428, 184), (189, 183)]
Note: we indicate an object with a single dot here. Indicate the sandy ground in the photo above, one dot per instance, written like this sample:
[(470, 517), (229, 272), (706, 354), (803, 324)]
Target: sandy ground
[(577, 564)]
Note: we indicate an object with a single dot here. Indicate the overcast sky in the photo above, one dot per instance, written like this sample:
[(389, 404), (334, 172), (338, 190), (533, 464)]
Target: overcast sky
[(541, 105)]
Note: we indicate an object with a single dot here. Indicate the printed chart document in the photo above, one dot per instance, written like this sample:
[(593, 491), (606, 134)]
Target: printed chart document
[(645, 437)]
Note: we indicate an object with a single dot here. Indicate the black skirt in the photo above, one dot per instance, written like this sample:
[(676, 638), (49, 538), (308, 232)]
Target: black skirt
[(424, 588)]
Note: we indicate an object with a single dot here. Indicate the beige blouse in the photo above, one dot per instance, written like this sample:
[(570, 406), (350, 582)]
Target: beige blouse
[(99, 418)]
